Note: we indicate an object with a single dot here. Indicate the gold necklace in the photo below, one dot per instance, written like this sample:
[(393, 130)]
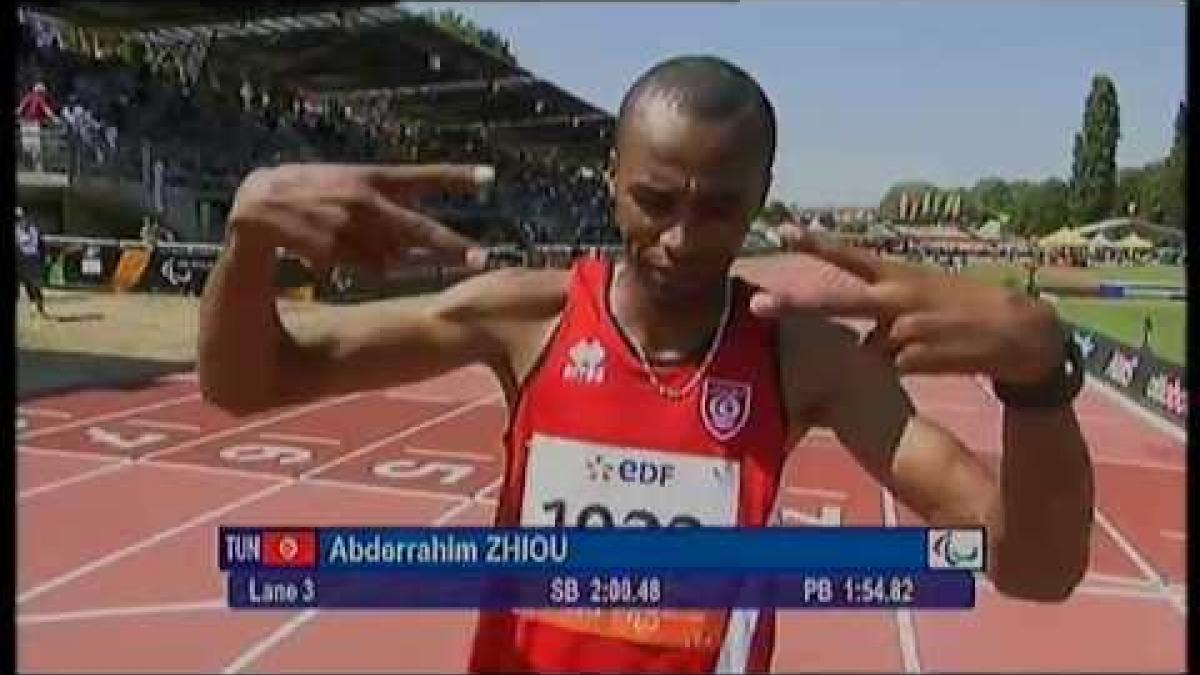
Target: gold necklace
[(678, 393)]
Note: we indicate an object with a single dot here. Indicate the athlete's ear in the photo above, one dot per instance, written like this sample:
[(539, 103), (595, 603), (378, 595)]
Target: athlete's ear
[(610, 173), (766, 189)]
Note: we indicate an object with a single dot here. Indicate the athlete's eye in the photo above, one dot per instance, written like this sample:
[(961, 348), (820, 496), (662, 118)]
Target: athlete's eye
[(654, 203)]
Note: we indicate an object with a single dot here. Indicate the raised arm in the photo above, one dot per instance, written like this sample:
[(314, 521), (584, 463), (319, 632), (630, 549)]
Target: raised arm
[(328, 214), (1038, 511)]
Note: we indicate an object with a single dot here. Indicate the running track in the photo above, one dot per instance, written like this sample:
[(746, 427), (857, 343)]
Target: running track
[(121, 492)]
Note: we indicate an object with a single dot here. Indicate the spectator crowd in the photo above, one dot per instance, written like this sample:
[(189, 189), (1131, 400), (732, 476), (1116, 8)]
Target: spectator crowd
[(128, 113)]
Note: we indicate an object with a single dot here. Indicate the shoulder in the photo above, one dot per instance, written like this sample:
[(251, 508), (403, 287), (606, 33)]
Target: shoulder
[(507, 294), (514, 310)]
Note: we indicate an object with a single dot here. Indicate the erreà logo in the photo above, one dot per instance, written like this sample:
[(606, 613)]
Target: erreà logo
[(585, 362)]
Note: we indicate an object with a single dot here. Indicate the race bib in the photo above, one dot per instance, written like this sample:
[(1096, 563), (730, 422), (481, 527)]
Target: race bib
[(570, 483)]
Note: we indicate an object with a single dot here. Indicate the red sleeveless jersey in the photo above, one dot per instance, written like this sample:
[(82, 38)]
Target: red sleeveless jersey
[(586, 424)]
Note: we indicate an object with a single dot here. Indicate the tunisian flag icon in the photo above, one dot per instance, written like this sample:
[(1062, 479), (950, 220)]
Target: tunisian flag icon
[(297, 548)]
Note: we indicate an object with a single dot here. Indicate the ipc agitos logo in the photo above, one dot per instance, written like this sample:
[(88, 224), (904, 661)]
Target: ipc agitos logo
[(955, 549)]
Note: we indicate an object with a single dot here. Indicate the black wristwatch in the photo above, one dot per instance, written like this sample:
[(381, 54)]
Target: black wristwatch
[(1055, 391)]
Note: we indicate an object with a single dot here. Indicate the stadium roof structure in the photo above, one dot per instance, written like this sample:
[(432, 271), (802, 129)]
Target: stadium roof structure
[(366, 52), (121, 14)]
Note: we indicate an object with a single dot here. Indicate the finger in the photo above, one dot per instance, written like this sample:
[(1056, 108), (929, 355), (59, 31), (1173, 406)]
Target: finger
[(474, 258), (405, 182), (877, 302), (399, 230), (937, 358), (877, 339), (291, 225), (916, 326), (864, 265)]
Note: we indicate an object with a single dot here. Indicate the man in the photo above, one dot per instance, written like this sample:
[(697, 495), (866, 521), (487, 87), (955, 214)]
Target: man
[(29, 262), (34, 112), (731, 374)]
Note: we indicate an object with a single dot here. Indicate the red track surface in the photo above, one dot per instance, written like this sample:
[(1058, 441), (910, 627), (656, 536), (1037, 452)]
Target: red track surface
[(121, 492)]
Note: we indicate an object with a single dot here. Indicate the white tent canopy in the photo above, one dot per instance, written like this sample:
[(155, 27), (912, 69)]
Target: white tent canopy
[(1100, 241)]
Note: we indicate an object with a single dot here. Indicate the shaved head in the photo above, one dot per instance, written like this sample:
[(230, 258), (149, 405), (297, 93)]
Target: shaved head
[(706, 88)]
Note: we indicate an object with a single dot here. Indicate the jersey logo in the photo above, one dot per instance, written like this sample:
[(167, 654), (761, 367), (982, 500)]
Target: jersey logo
[(586, 362), (725, 407)]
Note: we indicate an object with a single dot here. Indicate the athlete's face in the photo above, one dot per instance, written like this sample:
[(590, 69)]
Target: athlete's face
[(685, 191)]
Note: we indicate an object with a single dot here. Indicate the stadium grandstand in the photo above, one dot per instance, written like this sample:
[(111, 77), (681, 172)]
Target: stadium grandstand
[(139, 114)]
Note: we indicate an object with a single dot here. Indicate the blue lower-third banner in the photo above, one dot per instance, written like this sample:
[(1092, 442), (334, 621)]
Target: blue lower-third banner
[(865, 589)]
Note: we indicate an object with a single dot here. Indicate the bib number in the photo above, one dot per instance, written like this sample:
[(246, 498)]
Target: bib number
[(571, 483), (599, 515)]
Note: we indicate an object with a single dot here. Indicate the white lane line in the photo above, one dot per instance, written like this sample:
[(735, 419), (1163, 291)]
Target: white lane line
[(44, 412), (1144, 566), (1121, 592), (1173, 535), (165, 426), (1115, 579), (72, 454), (127, 412), (817, 492), (904, 620), (287, 414), (488, 492), (402, 395), (255, 651), (452, 454), (221, 470), (1154, 420), (212, 514), (230, 431), (299, 438), (1150, 418), (113, 612), (387, 440), (277, 478), (161, 535), (466, 503), (384, 489), (71, 480), (1138, 464), (278, 635)]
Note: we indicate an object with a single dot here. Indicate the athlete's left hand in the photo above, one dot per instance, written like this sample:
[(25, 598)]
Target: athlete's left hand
[(926, 320)]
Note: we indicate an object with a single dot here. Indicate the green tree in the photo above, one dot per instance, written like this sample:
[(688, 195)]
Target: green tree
[(991, 197), (1132, 188), (1094, 156), (1054, 206), (774, 213), (1173, 187)]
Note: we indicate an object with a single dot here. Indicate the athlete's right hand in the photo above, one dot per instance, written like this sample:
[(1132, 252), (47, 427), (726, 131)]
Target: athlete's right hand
[(362, 215)]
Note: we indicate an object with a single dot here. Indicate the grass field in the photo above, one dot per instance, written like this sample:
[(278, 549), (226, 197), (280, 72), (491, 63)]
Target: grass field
[(1119, 319), (1122, 320), (1075, 276)]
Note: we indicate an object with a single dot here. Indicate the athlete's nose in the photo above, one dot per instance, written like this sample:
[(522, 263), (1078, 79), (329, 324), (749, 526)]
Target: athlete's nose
[(678, 239)]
